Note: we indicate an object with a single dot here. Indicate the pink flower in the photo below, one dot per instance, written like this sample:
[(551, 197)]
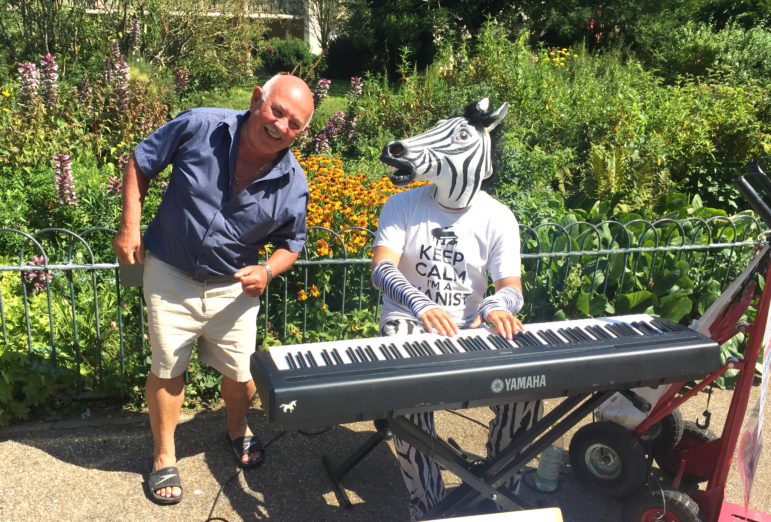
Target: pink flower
[(65, 186)]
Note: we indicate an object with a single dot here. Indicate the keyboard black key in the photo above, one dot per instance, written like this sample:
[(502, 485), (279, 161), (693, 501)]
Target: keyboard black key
[(480, 343), (499, 341), (534, 339), (452, 346), (599, 332), (395, 351), (440, 346), (427, 348), (581, 334)]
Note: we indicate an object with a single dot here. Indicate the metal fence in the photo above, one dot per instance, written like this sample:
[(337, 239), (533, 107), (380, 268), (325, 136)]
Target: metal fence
[(61, 299)]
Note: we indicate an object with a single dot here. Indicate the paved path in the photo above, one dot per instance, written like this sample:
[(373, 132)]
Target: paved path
[(94, 470)]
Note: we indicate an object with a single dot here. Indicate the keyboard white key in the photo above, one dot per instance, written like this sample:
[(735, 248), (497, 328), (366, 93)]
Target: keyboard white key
[(358, 351)]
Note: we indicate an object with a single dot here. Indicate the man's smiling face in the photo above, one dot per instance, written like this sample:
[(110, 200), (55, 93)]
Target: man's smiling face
[(277, 119)]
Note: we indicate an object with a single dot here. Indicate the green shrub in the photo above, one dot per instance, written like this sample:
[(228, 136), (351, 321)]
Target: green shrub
[(287, 55), (696, 49)]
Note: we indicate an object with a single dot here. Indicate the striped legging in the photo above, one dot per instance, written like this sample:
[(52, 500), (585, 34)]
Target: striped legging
[(420, 473)]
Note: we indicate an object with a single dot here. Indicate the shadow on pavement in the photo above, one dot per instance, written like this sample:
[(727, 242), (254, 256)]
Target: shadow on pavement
[(97, 469)]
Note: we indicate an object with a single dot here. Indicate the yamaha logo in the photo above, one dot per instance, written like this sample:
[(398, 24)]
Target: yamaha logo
[(497, 386), (522, 382)]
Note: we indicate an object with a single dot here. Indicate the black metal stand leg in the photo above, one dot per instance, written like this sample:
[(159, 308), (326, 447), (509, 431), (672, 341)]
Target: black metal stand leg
[(446, 456), (336, 473), (496, 472)]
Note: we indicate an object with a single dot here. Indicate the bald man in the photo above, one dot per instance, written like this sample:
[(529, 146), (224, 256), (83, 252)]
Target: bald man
[(234, 187)]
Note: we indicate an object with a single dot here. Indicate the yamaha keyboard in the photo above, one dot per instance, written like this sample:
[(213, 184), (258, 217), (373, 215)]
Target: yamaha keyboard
[(353, 380)]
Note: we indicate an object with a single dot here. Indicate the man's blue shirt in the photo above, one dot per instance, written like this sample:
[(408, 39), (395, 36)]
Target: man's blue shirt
[(199, 228)]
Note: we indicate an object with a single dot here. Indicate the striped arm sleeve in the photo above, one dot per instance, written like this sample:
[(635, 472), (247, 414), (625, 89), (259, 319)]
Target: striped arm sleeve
[(387, 278), (508, 298)]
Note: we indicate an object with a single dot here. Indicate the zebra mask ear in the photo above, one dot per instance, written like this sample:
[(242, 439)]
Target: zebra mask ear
[(499, 115)]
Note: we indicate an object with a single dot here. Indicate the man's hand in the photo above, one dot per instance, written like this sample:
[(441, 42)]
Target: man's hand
[(504, 323), (253, 279), (439, 321), (128, 246)]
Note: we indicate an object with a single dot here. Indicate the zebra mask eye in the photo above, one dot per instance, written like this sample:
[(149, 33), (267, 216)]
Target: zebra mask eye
[(463, 135)]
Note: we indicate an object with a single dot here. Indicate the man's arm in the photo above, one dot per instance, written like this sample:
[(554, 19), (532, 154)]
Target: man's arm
[(254, 278), (500, 308), (127, 243), (396, 287)]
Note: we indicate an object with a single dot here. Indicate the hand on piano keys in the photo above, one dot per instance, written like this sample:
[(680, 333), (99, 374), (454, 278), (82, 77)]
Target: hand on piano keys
[(439, 321), (503, 322), (420, 346)]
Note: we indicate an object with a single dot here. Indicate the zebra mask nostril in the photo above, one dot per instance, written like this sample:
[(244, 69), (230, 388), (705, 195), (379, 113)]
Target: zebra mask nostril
[(396, 150)]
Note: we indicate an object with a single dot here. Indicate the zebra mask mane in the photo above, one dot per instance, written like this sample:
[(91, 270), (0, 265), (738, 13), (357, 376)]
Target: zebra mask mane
[(455, 155)]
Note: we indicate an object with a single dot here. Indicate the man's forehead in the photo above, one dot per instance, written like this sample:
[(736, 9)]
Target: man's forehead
[(289, 100)]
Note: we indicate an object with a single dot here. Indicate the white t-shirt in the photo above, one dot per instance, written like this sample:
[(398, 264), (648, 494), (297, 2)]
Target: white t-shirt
[(448, 254)]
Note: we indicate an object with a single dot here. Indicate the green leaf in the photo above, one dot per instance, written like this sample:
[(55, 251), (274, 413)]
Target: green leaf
[(581, 304), (635, 302), (674, 307)]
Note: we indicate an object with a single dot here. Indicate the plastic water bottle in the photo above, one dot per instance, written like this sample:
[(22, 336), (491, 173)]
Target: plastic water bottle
[(547, 475)]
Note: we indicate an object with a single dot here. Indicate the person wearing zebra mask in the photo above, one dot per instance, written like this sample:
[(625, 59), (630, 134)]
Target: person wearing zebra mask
[(435, 247)]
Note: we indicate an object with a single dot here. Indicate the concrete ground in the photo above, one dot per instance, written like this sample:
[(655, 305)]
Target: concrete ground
[(94, 469)]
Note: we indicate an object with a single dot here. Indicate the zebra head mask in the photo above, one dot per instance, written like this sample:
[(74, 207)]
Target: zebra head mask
[(455, 155)]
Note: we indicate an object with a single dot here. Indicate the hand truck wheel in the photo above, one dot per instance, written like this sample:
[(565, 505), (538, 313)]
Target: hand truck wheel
[(665, 434), (662, 505), (668, 461), (608, 458)]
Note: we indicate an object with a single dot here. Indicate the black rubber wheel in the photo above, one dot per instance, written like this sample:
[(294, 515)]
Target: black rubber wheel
[(667, 505), (665, 434), (669, 461), (608, 458)]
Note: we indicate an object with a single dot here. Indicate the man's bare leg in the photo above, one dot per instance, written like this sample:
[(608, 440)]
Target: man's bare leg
[(238, 397), (164, 401)]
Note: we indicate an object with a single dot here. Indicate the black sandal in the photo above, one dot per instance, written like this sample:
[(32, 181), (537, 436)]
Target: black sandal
[(162, 478), (244, 446)]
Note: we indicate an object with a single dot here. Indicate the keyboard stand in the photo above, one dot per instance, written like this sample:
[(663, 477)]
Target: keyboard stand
[(480, 481), (336, 473)]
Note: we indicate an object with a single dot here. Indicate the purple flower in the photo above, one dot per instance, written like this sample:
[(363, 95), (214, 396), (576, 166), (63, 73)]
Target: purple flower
[(114, 186), (321, 143), (65, 186), (181, 80), (322, 88), (38, 279), (84, 95), (135, 36), (302, 140), (29, 80), (120, 83), (50, 80), (112, 64), (116, 54), (356, 87), (123, 160)]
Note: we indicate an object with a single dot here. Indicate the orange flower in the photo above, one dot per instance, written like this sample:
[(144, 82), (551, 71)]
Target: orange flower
[(315, 291), (322, 247), (301, 296)]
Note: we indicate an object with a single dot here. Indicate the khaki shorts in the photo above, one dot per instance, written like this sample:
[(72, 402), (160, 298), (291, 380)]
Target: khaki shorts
[(181, 310)]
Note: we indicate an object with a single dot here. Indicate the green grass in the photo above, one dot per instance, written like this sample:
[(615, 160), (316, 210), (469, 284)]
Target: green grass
[(236, 98)]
